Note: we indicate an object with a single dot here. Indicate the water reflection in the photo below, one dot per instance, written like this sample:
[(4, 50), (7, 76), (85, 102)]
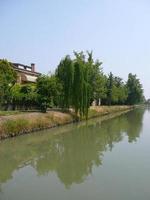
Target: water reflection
[(71, 154), (148, 108)]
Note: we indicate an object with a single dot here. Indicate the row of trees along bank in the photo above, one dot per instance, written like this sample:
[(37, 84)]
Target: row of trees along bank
[(75, 84)]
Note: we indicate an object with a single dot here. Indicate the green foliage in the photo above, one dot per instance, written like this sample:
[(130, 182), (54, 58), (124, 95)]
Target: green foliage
[(24, 96), (135, 91), (83, 82), (110, 89), (119, 91), (81, 85), (116, 90), (96, 78), (7, 80), (48, 90), (76, 84), (75, 77), (65, 73)]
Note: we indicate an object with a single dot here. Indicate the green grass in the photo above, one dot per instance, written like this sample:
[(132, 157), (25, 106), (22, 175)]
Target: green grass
[(16, 112), (6, 113)]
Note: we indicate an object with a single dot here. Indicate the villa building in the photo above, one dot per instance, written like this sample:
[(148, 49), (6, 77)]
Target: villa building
[(26, 74)]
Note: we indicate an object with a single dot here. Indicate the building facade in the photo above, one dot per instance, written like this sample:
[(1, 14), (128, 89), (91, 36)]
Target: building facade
[(25, 74)]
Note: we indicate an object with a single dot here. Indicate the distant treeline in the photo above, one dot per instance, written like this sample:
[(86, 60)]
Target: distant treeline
[(76, 83)]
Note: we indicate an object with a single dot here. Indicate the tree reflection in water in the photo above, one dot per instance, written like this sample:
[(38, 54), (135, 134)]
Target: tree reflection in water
[(71, 154)]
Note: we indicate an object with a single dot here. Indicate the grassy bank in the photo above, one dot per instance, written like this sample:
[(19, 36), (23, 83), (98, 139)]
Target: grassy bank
[(13, 125), (7, 113)]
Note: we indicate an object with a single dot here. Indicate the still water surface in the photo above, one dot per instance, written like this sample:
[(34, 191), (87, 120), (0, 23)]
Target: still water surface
[(107, 160)]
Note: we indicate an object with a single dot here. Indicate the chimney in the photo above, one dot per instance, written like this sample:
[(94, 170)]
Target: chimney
[(32, 67)]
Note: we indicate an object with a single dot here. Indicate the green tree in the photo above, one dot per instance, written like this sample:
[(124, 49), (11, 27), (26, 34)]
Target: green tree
[(7, 79), (82, 81), (16, 96), (24, 96), (96, 79), (120, 91), (65, 73), (116, 91), (74, 77), (29, 96), (100, 92), (135, 90), (81, 85), (48, 90), (110, 85)]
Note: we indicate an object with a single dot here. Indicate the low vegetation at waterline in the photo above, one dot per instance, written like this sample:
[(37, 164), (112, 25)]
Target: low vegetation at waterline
[(14, 125), (76, 84), (28, 122), (12, 112)]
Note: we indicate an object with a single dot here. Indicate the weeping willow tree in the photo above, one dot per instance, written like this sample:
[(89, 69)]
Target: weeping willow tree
[(78, 85), (81, 85), (78, 78), (86, 93), (65, 73)]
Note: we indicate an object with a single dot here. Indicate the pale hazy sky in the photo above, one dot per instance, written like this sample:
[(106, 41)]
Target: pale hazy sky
[(44, 31)]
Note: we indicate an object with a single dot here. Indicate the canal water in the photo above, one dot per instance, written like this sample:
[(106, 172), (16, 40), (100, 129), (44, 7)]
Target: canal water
[(97, 160)]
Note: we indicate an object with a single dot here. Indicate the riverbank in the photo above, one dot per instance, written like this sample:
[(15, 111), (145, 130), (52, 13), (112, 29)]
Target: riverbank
[(23, 123)]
